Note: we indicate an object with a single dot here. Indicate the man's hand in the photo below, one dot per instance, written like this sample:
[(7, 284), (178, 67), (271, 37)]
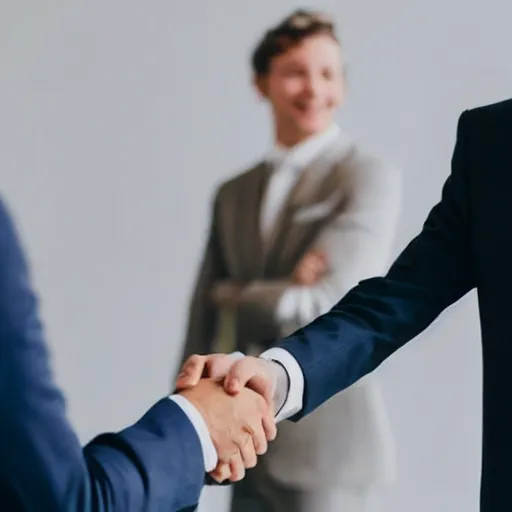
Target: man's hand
[(311, 268), (239, 426), (257, 374)]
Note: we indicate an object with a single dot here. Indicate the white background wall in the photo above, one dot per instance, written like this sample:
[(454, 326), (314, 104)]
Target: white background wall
[(118, 118)]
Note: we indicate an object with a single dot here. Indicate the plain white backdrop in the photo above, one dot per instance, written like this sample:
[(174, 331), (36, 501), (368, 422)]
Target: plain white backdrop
[(117, 119)]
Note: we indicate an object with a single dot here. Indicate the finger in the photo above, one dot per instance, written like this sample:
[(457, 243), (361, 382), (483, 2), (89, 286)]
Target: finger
[(310, 276), (314, 262), (266, 429), (318, 253), (221, 473), (239, 374), (317, 256), (310, 264), (263, 384), (237, 468), (263, 432), (191, 372), (323, 263), (319, 271), (248, 450), (307, 277), (268, 423), (318, 263), (299, 277), (253, 373), (218, 366), (304, 263)]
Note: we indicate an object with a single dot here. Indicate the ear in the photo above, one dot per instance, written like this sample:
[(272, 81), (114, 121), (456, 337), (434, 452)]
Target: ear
[(260, 84)]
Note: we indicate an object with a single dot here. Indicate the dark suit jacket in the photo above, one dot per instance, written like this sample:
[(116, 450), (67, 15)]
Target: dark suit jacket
[(466, 243), (154, 465)]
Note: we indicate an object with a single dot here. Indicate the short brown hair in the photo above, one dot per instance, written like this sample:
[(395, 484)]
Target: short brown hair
[(290, 32)]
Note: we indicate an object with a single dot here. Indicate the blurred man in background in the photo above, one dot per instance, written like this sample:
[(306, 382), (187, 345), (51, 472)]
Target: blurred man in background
[(288, 237)]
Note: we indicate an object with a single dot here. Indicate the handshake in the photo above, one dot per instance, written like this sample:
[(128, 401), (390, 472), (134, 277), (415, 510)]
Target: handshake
[(235, 397)]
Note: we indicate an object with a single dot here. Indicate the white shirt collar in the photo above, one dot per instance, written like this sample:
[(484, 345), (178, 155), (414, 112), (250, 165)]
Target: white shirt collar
[(302, 154)]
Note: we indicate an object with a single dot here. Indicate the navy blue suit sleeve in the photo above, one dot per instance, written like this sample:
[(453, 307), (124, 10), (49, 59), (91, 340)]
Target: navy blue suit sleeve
[(154, 465), (382, 314)]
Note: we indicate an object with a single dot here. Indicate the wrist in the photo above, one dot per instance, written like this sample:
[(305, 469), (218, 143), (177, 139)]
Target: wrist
[(294, 386), (281, 385), (198, 421)]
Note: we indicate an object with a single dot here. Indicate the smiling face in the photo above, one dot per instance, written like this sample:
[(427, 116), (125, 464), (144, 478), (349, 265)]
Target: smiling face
[(305, 86)]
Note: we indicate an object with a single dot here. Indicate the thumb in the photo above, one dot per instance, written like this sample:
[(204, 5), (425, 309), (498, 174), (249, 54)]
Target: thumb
[(264, 387), (219, 365), (253, 373)]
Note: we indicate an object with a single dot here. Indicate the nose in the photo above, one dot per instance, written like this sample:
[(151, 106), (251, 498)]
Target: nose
[(312, 85)]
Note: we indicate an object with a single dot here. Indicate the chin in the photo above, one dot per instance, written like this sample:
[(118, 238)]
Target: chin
[(314, 127)]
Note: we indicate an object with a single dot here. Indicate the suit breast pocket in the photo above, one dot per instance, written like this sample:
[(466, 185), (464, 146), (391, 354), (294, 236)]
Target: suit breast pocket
[(313, 213), (318, 211)]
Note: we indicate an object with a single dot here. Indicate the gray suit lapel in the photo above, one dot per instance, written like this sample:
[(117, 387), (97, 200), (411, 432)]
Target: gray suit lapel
[(250, 254), (319, 182)]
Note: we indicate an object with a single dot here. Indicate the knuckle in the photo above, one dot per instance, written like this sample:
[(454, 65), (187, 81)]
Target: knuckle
[(243, 364), (246, 439), (238, 369), (235, 461), (218, 360), (237, 365), (194, 360)]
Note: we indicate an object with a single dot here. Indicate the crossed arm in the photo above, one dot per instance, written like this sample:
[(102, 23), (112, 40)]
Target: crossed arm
[(353, 246)]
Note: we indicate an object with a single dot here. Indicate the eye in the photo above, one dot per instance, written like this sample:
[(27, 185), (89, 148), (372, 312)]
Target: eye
[(294, 72)]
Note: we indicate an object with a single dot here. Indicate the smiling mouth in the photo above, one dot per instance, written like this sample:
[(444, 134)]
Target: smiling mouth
[(305, 108)]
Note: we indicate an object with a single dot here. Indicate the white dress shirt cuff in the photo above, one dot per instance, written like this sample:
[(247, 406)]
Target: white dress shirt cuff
[(294, 400), (209, 451)]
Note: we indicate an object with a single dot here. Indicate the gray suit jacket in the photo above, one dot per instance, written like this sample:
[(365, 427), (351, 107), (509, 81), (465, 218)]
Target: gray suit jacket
[(346, 203)]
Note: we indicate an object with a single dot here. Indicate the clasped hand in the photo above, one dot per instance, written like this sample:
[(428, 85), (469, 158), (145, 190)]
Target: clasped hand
[(235, 399)]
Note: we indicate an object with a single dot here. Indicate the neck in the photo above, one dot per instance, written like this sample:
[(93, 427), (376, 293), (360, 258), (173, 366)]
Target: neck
[(289, 137)]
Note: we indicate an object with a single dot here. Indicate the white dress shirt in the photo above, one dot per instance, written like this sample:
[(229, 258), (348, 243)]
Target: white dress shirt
[(297, 304), (288, 163), (296, 301)]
